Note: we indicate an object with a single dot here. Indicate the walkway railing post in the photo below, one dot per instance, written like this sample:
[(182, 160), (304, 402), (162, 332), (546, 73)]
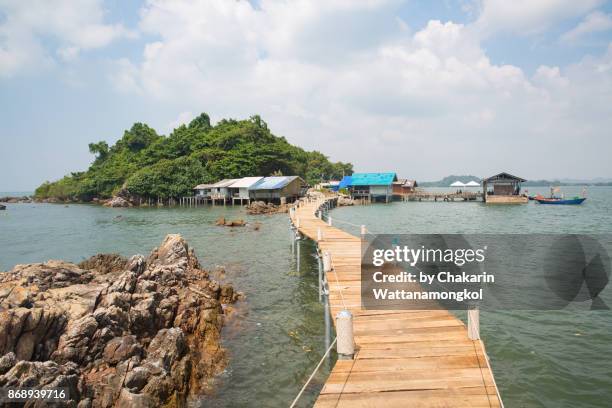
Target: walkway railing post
[(474, 324), (329, 220), (319, 234), (297, 222), (320, 264), (327, 262), (345, 343), (363, 232)]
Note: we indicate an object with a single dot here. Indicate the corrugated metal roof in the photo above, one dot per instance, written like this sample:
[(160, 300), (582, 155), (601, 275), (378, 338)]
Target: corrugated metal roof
[(202, 186), (224, 183), (504, 176), (373, 179), (345, 182), (273, 183), (246, 182)]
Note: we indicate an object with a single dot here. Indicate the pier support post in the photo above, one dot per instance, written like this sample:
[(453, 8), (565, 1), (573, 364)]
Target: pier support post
[(329, 220), (319, 234), (345, 343), (363, 232), (297, 222), (473, 324)]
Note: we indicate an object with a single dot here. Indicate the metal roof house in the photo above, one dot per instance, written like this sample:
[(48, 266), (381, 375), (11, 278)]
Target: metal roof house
[(372, 186), (203, 190), (220, 190), (344, 183), (278, 188), (503, 188), (404, 186), (240, 189)]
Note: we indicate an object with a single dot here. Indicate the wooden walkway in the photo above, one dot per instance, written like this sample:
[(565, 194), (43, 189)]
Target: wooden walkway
[(411, 358)]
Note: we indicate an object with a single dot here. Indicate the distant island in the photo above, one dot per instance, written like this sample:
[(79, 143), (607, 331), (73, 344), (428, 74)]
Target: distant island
[(161, 167), (448, 180)]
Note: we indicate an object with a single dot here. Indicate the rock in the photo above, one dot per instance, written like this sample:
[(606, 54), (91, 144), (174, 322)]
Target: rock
[(227, 294), (137, 379), (14, 200), (47, 374), (260, 207), (345, 201), (7, 361), (105, 263), (121, 348), (227, 223), (116, 332), (2, 207), (234, 223), (117, 202)]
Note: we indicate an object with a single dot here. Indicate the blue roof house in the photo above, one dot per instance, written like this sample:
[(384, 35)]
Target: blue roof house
[(344, 183), (372, 186)]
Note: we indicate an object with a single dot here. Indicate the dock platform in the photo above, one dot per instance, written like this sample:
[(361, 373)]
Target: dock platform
[(406, 358)]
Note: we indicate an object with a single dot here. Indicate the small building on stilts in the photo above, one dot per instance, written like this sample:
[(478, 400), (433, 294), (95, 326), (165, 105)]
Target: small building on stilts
[(503, 188)]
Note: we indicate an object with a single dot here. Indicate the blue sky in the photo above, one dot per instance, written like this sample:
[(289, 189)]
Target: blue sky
[(424, 88)]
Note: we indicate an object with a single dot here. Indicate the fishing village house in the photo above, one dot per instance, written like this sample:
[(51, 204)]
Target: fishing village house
[(404, 186), (370, 186), (203, 190), (279, 189), (221, 190), (503, 188), (240, 189)]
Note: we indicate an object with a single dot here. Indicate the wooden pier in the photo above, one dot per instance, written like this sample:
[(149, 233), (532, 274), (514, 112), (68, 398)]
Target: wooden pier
[(443, 196), (406, 358)]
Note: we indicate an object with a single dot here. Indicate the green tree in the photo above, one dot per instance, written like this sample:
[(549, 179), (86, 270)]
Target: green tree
[(154, 166)]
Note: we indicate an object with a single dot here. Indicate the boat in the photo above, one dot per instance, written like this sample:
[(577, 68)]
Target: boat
[(560, 201), (576, 200)]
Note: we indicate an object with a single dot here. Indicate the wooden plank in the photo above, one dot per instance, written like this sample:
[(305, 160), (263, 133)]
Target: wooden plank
[(404, 358)]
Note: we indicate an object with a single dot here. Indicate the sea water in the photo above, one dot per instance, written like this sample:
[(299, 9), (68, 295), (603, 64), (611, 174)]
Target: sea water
[(277, 336)]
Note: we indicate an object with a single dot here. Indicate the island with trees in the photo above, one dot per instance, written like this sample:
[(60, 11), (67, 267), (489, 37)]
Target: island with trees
[(150, 165)]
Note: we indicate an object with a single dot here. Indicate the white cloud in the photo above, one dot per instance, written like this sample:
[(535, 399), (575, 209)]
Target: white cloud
[(182, 119), (391, 99), (398, 100), (528, 16), (75, 26), (594, 22), (124, 76)]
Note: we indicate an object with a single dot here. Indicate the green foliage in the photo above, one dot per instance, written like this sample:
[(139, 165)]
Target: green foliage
[(99, 149), (150, 165)]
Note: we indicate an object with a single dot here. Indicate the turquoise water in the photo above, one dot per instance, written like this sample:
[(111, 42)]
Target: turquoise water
[(276, 337), (540, 359)]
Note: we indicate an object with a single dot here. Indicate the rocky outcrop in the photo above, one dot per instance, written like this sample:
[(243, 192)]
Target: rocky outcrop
[(260, 207), (16, 200), (117, 202), (2, 207), (230, 223), (345, 201), (115, 332)]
